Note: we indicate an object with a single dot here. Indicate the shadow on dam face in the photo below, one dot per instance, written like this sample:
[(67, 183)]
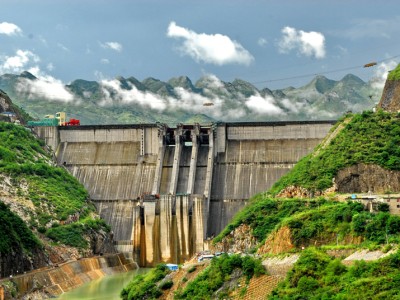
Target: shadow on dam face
[(166, 190)]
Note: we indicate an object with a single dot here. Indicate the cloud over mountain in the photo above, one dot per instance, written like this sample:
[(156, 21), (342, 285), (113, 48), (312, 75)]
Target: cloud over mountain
[(44, 86), (128, 100), (263, 105), (215, 49)]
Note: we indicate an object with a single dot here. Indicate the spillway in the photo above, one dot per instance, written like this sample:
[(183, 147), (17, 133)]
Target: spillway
[(165, 190)]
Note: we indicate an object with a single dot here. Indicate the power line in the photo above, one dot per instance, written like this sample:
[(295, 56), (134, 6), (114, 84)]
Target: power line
[(321, 73)]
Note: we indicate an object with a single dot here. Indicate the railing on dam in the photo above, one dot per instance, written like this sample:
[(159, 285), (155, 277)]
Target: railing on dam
[(202, 174)]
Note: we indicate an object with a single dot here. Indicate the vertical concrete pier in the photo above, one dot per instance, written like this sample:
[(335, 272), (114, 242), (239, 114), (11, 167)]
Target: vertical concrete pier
[(177, 159), (193, 159)]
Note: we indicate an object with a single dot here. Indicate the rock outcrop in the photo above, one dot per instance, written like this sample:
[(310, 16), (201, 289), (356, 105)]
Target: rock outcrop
[(238, 240), (7, 106), (390, 100), (363, 178)]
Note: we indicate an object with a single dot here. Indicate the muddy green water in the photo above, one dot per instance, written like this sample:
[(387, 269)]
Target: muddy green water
[(107, 287)]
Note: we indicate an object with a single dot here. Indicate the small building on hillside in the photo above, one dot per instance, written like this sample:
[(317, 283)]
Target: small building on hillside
[(373, 202)]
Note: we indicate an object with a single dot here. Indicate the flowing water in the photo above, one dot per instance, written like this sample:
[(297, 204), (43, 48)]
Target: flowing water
[(108, 287)]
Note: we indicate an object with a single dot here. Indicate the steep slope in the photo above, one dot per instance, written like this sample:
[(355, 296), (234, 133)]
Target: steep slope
[(317, 275), (20, 249), (42, 202), (7, 107), (369, 139), (390, 100)]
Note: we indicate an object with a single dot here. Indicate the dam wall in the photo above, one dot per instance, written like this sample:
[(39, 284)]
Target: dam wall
[(251, 157), (165, 190)]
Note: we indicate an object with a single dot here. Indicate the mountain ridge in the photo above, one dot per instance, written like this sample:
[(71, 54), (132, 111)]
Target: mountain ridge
[(129, 100)]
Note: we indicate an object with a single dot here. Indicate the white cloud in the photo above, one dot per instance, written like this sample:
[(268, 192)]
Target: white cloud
[(381, 73), (9, 29), (262, 42), (263, 105), (292, 106), (307, 43), (210, 48), (45, 86), (19, 62), (113, 92), (112, 45), (105, 61)]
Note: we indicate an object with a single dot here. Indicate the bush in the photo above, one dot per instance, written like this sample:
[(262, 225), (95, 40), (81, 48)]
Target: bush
[(318, 276), (144, 287), (219, 271), (15, 235), (368, 138), (166, 285)]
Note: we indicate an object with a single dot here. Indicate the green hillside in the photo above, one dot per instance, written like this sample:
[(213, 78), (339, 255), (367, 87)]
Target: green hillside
[(394, 74), (370, 138), (54, 193), (15, 233), (325, 221), (319, 276)]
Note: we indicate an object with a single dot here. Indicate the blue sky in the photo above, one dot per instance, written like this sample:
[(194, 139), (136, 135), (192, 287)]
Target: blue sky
[(263, 42)]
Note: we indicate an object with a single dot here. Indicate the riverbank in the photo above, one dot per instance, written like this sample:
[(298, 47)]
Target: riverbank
[(51, 282)]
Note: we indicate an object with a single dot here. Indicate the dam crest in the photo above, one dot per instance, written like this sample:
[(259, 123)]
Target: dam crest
[(165, 190)]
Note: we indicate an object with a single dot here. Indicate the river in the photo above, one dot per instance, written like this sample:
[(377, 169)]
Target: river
[(107, 287)]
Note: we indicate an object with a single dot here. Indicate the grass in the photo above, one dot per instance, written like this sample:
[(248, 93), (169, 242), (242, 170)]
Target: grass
[(14, 232), (145, 286), (394, 74), (321, 220), (369, 138), (319, 276), (55, 193), (219, 271)]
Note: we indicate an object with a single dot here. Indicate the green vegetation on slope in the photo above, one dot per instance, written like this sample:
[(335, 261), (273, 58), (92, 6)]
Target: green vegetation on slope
[(55, 193), (320, 220), (319, 276), (394, 74), (144, 286), (264, 214), (370, 138), (218, 272), (14, 232)]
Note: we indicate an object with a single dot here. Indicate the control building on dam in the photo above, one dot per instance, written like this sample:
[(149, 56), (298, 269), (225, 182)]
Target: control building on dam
[(165, 190)]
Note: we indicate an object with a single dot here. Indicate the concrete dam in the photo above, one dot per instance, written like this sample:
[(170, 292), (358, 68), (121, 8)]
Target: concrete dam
[(165, 190)]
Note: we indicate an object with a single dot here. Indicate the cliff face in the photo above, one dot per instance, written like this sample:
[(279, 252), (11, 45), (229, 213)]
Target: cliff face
[(362, 178), (390, 100), (7, 106)]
